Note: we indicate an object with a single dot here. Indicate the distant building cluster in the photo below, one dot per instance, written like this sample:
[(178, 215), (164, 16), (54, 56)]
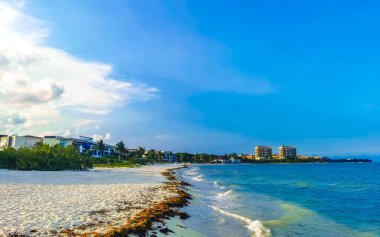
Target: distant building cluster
[(83, 144), (265, 152), (284, 152)]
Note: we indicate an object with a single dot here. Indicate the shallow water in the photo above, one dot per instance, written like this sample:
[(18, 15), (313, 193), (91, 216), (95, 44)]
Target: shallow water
[(285, 199)]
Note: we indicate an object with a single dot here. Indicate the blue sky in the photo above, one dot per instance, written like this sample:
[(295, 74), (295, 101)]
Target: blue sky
[(224, 77)]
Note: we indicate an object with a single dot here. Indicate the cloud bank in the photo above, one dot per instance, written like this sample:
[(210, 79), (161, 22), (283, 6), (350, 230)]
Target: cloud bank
[(46, 90)]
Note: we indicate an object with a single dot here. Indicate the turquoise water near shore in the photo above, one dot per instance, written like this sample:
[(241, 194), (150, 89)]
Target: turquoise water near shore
[(285, 199)]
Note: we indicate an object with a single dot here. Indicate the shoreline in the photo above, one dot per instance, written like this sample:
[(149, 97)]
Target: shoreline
[(144, 221)]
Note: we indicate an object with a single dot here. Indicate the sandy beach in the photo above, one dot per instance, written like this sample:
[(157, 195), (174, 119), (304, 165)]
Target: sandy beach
[(39, 203)]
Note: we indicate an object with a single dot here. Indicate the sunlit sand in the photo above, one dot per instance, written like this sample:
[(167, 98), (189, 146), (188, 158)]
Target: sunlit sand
[(45, 203)]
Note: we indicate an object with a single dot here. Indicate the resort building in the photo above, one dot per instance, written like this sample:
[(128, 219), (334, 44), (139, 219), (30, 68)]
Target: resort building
[(131, 150), (83, 144), (57, 140), (170, 157), (287, 152), (17, 142), (263, 152), (107, 152)]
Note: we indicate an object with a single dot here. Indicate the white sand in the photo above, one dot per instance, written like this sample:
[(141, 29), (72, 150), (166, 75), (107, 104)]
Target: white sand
[(43, 203)]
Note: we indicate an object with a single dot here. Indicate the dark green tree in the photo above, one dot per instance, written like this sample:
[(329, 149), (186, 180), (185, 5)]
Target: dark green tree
[(121, 149), (140, 151), (100, 146)]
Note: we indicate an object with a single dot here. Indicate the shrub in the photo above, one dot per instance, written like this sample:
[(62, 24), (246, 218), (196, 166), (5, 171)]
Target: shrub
[(44, 157)]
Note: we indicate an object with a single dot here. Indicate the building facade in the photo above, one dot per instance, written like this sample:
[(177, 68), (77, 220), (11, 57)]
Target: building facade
[(170, 157), (287, 152), (263, 152), (17, 142), (57, 140), (83, 144)]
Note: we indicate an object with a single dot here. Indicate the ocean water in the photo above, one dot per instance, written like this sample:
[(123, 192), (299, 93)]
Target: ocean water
[(285, 199)]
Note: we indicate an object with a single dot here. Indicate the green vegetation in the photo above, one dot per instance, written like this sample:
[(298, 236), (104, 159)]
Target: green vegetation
[(100, 146), (44, 157), (51, 158), (121, 150), (114, 162), (117, 165), (199, 158)]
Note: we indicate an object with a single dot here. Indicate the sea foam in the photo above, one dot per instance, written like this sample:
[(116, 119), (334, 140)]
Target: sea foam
[(225, 193), (254, 226), (216, 184), (198, 178)]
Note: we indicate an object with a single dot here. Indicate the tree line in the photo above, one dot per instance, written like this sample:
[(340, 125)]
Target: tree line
[(44, 157)]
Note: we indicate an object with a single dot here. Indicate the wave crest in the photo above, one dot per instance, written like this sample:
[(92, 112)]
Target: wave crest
[(255, 226), (225, 193), (198, 178)]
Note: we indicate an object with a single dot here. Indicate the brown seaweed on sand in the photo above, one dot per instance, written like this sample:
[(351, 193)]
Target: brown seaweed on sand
[(143, 221)]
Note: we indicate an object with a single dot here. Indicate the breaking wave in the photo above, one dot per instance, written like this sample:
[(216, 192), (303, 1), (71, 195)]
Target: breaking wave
[(216, 184), (225, 193), (254, 226), (198, 178)]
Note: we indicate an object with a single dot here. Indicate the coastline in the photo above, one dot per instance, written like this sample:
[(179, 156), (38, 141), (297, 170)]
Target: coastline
[(144, 221), (152, 195)]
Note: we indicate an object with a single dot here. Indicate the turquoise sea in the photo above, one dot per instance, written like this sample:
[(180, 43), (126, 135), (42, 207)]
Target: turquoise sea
[(285, 199)]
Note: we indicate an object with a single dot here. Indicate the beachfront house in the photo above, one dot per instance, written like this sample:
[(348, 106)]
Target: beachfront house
[(58, 140), (170, 157), (228, 161), (17, 142), (83, 144), (107, 152)]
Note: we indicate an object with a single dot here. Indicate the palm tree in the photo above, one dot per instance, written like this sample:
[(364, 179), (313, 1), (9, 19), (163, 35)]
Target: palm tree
[(152, 155), (120, 149), (100, 146), (140, 151), (160, 156)]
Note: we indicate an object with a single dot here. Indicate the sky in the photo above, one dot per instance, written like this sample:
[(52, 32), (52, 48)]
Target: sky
[(194, 76)]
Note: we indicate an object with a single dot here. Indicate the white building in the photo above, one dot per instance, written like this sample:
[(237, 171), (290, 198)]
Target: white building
[(17, 142)]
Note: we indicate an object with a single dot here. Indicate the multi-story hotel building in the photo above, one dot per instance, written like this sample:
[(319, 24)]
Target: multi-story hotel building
[(263, 152), (287, 152)]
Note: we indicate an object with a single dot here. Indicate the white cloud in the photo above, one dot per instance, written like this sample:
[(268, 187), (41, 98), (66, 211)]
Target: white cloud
[(98, 137), (47, 89), (162, 136)]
